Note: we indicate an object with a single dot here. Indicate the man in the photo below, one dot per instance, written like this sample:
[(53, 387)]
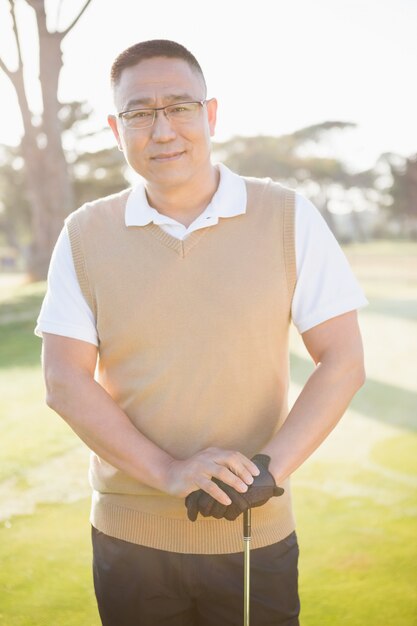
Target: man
[(181, 291)]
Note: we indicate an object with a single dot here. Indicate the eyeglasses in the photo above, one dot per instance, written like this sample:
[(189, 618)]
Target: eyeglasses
[(179, 113)]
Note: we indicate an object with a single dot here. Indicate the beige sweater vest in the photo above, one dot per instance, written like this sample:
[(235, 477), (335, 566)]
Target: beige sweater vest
[(193, 346)]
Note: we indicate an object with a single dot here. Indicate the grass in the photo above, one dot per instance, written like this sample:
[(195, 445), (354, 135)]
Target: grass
[(27, 428), (355, 498), (45, 576)]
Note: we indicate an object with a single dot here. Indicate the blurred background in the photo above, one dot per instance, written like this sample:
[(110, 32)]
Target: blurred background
[(319, 96)]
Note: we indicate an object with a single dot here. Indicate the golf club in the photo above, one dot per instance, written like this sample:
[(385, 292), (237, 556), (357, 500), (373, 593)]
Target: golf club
[(246, 565)]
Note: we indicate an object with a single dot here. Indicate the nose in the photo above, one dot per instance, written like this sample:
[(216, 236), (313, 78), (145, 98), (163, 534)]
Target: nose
[(162, 129)]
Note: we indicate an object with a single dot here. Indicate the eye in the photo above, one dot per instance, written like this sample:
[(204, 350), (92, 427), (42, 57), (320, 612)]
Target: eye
[(179, 108), (139, 114), (182, 112)]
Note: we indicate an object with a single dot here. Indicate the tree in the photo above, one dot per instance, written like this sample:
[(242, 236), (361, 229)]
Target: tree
[(95, 173), (295, 160), (401, 191), (48, 185), (411, 186), (14, 208), (92, 174)]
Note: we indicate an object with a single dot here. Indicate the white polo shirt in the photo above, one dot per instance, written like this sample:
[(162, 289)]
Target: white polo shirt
[(326, 286)]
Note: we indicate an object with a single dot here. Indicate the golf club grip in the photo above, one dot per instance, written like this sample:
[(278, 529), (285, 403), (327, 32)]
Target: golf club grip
[(247, 524)]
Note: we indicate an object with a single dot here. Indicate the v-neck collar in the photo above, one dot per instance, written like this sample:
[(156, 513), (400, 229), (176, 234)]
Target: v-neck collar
[(180, 246)]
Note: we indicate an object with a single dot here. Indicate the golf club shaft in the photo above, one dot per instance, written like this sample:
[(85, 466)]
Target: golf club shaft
[(246, 562)]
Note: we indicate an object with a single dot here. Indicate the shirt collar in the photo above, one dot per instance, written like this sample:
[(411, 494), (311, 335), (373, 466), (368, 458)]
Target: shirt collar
[(228, 201)]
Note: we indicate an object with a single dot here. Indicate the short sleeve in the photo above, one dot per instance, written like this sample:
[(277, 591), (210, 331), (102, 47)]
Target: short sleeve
[(64, 309), (326, 286)]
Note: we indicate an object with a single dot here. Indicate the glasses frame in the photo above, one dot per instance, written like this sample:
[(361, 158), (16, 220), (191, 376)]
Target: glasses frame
[(155, 110)]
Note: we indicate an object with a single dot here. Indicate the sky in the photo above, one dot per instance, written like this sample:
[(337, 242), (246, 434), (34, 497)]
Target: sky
[(274, 66)]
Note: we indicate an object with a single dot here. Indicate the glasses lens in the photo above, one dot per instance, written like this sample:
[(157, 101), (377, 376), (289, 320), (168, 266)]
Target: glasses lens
[(182, 112), (141, 118)]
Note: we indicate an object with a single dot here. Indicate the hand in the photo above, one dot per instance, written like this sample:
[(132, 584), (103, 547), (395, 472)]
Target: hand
[(210, 471), (261, 490)]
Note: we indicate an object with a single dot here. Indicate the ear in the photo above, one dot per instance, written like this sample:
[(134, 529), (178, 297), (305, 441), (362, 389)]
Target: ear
[(112, 121), (211, 106)]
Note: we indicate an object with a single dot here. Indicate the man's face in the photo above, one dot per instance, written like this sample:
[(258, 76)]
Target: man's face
[(166, 154)]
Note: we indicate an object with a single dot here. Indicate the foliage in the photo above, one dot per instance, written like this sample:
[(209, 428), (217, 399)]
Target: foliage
[(285, 157), (295, 160), (98, 174), (278, 158), (401, 202), (14, 205)]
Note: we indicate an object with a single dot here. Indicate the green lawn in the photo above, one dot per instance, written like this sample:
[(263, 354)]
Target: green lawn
[(355, 498)]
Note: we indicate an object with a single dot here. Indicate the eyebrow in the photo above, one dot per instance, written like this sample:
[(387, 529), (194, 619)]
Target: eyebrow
[(148, 102)]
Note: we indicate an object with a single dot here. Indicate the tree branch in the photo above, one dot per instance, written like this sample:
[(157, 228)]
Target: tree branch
[(16, 33), (73, 23), (12, 75), (5, 69), (16, 77)]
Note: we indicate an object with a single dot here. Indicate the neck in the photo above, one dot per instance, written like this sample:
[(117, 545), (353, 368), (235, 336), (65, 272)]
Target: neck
[(185, 202)]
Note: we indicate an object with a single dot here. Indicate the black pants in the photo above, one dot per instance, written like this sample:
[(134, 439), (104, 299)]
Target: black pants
[(139, 586)]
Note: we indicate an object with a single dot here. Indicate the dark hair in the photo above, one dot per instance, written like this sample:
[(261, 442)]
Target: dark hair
[(148, 50)]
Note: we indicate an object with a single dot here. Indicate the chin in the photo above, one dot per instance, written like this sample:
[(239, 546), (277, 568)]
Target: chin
[(170, 176)]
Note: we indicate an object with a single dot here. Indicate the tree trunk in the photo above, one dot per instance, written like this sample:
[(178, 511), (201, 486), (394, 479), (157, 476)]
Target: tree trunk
[(48, 184)]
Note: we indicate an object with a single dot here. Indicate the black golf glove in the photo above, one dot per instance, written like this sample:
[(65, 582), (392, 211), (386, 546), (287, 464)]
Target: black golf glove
[(259, 492)]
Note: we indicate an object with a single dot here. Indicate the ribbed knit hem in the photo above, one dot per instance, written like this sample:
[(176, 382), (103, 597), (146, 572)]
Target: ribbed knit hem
[(270, 524)]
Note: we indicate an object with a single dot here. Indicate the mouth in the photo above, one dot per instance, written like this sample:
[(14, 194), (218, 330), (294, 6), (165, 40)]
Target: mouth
[(165, 157)]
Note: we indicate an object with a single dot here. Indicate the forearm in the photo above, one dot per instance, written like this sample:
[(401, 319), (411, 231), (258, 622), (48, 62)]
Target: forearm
[(105, 428), (322, 402)]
